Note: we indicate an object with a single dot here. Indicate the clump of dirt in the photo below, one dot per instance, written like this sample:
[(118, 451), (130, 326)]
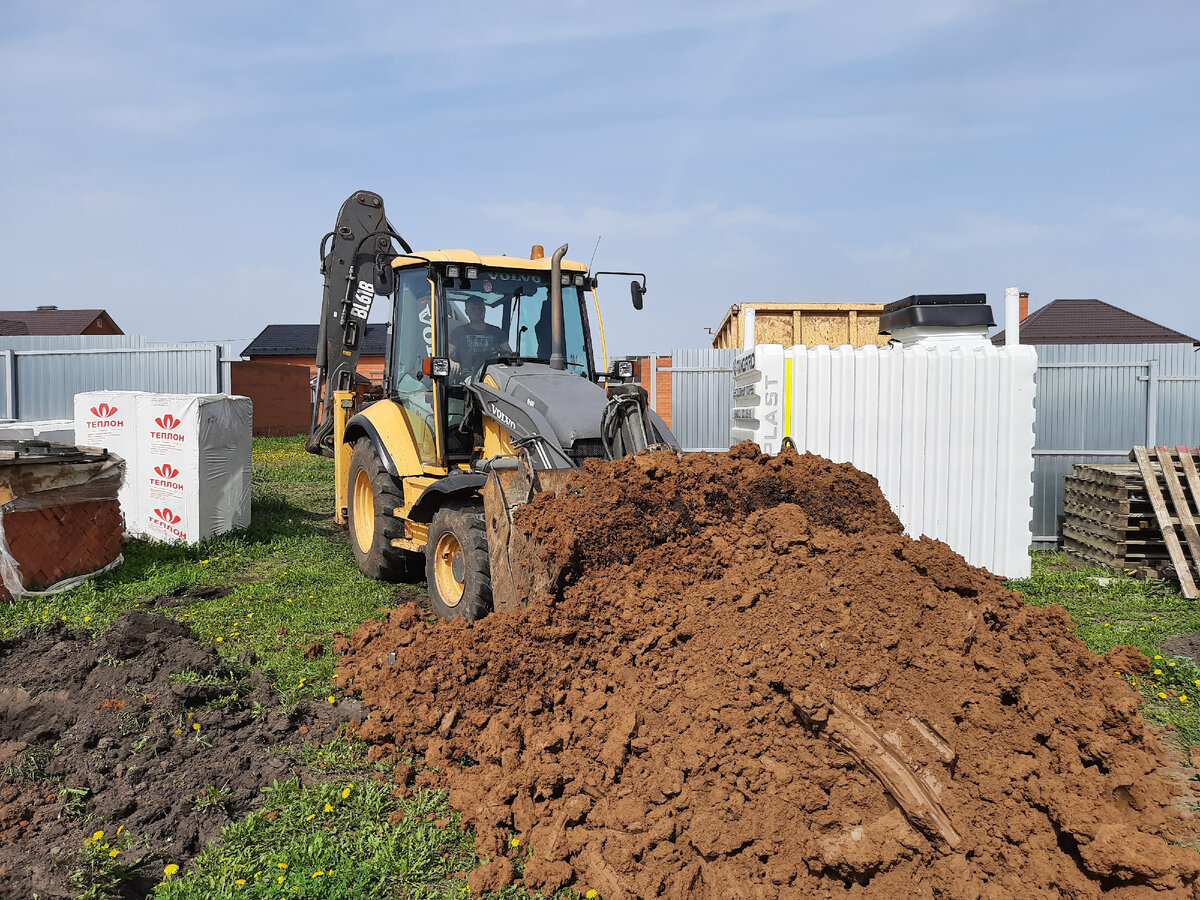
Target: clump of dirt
[(145, 730), (746, 682)]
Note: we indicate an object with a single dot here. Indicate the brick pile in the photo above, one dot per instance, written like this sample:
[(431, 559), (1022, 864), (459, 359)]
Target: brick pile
[(59, 542), (61, 518)]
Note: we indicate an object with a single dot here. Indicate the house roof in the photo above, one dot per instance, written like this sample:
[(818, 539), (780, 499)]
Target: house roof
[(301, 340), (9, 327), (1092, 322), (51, 320)]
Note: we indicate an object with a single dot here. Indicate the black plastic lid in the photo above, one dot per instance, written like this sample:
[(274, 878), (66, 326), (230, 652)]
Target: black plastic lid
[(937, 311), (935, 300)]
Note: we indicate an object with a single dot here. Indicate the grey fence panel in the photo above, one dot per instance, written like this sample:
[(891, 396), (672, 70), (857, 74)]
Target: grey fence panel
[(46, 381), (71, 341), (701, 387), (1096, 401)]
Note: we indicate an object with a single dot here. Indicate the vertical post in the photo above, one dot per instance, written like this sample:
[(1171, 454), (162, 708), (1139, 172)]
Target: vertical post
[(10, 394), (654, 381), (747, 327), (1012, 317), (1152, 402)]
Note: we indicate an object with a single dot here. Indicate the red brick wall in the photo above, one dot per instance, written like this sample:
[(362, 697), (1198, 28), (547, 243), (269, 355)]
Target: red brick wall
[(281, 395), (662, 381), (370, 367), (59, 542)]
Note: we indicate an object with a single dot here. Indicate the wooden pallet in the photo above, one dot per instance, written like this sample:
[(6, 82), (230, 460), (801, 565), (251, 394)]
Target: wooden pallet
[(1140, 517), (1180, 506)]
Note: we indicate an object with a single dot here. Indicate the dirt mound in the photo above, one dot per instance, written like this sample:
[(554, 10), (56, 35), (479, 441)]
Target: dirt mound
[(748, 683), (145, 729)]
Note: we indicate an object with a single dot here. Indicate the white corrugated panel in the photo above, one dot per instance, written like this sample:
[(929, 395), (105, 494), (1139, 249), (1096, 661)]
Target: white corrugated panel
[(946, 429)]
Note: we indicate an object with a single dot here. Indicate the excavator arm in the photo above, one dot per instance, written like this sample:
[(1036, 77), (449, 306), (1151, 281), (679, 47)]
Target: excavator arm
[(356, 264)]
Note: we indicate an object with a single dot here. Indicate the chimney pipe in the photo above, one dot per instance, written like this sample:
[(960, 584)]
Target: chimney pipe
[(1024, 305)]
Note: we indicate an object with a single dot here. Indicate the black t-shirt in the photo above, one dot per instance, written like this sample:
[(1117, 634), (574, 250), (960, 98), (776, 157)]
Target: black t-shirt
[(473, 346)]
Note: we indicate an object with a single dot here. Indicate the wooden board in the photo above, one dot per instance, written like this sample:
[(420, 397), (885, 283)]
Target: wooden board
[(1183, 508), (1186, 584)]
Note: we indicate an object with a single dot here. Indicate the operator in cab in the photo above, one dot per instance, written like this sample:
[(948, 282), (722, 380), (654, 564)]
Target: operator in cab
[(476, 341)]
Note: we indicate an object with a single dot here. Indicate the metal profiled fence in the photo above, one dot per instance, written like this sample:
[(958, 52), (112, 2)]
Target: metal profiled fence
[(1096, 401), (39, 378)]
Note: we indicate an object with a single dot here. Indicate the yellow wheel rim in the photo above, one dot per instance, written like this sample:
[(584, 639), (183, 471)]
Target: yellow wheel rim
[(364, 511), (449, 569)]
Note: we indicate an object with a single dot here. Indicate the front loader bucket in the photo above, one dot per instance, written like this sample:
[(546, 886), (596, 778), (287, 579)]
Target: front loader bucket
[(518, 571)]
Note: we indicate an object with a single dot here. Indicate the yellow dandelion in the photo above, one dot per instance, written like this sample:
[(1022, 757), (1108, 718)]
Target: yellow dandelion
[(310, 817), (1183, 698), (1170, 664), (281, 865), (114, 853), (195, 726), (591, 894), (120, 828), (98, 836), (318, 873), (329, 806), (1158, 671), (331, 698), (1158, 656), (170, 870), (85, 618), (515, 842), (346, 791), (1162, 695), (240, 881), (281, 879)]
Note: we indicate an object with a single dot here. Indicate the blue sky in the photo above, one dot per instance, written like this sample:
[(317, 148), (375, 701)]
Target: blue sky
[(178, 163)]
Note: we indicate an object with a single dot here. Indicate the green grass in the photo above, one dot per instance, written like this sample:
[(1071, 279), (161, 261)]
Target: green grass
[(1110, 609), (336, 840), (293, 577)]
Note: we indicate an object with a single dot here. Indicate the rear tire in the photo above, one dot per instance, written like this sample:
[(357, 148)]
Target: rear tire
[(457, 571), (373, 494)]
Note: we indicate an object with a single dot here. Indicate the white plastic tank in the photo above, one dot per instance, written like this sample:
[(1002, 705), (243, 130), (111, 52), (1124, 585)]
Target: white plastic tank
[(944, 421)]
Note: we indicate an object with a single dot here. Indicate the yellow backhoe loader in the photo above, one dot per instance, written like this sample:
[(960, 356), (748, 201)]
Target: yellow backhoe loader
[(491, 393)]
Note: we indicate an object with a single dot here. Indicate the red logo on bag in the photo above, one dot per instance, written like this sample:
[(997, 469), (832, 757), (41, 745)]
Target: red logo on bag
[(165, 471), (168, 423), (104, 417)]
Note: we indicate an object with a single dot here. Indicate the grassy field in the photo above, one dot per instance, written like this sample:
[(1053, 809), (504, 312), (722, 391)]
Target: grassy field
[(293, 581)]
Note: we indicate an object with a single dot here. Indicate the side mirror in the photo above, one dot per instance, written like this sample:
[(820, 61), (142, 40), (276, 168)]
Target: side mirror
[(637, 291), (384, 278)]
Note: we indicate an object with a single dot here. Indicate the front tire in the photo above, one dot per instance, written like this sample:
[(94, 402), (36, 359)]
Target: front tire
[(456, 562), (373, 494)]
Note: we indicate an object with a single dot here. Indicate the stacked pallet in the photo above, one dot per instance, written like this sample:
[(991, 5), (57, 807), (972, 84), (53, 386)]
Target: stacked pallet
[(1132, 516)]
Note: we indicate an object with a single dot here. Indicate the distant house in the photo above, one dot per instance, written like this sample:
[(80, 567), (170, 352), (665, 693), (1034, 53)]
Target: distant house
[(52, 320), (1092, 322), (296, 345), (1107, 380)]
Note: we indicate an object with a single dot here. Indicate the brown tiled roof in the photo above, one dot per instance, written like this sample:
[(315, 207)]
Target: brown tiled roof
[(52, 321), (8, 327), (1092, 322)]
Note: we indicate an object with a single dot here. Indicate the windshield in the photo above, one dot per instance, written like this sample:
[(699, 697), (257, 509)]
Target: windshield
[(507, 313)]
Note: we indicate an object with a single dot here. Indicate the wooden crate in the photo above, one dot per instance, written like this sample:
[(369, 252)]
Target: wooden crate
[(811, 324)]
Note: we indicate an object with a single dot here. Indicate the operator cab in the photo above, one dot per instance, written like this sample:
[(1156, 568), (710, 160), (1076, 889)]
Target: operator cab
[(486, 315)]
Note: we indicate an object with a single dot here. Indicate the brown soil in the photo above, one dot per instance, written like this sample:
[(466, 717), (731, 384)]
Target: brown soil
[(746, 682), (107, 717)]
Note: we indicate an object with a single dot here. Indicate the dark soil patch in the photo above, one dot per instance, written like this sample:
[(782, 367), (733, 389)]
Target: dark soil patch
[(744, 681), (1184, 645), (145, 730), (185, 595)]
